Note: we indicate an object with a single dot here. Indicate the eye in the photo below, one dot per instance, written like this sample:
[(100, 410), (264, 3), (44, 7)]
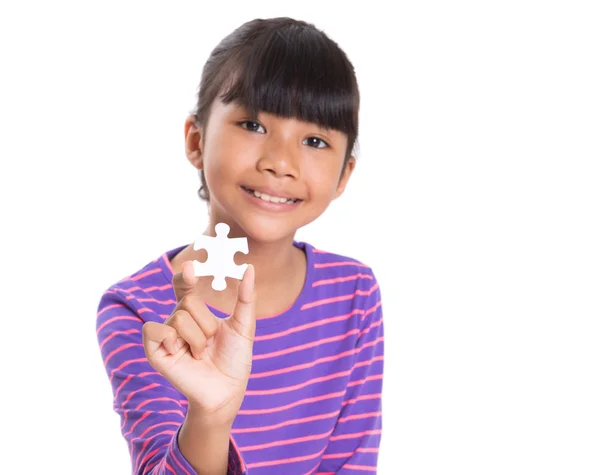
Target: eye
[(314, 142), (253, 125)]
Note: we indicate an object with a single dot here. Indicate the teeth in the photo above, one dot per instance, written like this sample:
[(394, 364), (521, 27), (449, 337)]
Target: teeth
[(272, 199)]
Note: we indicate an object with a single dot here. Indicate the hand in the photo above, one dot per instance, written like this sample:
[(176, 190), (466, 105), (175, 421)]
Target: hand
[(208, 359)]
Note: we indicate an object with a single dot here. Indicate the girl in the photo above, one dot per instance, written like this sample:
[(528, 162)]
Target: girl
[(280, 373)]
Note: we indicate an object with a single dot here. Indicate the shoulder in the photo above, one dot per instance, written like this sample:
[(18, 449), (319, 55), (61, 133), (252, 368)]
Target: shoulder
[(330, 262), (340, 275), (148, 289), (342, 289)]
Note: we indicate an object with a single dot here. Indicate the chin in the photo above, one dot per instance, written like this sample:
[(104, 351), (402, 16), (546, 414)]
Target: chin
[(266, 229)]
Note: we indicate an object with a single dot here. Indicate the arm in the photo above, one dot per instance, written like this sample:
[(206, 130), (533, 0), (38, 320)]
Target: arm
[(206, 447), (154, 420), (354, 443)]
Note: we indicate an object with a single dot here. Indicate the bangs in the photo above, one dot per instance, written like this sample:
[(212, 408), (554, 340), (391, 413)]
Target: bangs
[(294, 73)]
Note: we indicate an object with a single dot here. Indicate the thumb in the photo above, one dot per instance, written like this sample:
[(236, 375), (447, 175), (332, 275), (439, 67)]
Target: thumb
[(243, 318)]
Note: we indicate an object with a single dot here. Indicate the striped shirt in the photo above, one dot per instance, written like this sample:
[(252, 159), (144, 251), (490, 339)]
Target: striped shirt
[(313, 401)]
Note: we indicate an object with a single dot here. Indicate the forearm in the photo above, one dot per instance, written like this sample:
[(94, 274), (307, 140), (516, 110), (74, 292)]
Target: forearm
[(206, 447)]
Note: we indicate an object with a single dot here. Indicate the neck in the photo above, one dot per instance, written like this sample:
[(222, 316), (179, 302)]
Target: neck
[(271, 260)]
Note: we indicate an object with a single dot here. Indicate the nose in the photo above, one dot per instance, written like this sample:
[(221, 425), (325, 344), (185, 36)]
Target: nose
[(279, 158)]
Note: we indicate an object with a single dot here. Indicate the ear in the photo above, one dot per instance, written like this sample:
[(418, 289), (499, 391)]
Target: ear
[(345, 176), (193, 142)]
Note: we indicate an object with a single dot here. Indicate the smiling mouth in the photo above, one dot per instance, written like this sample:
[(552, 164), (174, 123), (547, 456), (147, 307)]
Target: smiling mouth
[(270, 198)]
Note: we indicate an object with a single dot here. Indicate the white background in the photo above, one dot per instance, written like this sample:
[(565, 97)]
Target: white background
[(476, 201)]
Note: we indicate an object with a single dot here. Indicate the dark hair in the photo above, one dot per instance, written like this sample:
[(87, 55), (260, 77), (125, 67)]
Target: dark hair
[(284, 67)]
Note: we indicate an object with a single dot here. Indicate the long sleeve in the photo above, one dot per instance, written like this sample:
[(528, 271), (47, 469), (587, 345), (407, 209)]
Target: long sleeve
[(150, 408), (354, 443)]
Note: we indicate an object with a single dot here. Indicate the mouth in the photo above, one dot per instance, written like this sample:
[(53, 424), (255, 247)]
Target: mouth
[(280, 200)]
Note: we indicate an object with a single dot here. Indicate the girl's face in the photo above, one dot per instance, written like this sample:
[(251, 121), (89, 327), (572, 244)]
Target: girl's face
[(268, 177)]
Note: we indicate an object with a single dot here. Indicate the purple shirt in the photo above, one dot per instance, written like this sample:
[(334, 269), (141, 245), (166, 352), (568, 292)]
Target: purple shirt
[(313, 401)]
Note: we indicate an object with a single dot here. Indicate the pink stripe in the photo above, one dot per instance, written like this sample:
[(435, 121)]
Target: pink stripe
[(360, 467), (365, 415), (170, 468), (131, 376), (113, 334), (172, 411), (375, 358), (312, 470), (370, 327), (167, 262), (320, 251), (247, 412), (323, 265), (264, 392), (145, 444), (338, 456), (125, 381), (339, 298), (127, 363), (356, 434), (161, 302), (142, 435), (363, 381), (237, 452), (141, 418), (306, 326), (362, 398), (108, 307), (371, 310), (300, 458), (114, 319), (325, 359), (146, 274), (175, 458), (145, 402), (133, 393), (305, 346), (153, 464), (368, 362), (304, 365), (341, 279), (119, 349), (286, 423), (148, 289), (146, 457), (287, 441), (367, 449)]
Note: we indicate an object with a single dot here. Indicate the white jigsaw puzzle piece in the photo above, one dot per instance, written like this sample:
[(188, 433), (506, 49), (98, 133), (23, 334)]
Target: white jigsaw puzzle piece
[(221, 250)]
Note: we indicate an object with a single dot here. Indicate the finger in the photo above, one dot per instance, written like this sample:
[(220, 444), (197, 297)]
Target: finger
[(188, 329), (243, 318), (184, 282), (156, 334), (204, 318)]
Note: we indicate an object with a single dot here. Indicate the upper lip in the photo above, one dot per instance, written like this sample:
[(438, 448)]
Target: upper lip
[(271, 192)]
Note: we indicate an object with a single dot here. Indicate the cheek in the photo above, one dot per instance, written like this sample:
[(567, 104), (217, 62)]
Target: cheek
[(323, 182), (222, 160)]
